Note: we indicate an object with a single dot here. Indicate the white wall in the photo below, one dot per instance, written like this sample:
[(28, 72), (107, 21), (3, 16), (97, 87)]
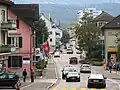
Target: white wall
[(110, 40)]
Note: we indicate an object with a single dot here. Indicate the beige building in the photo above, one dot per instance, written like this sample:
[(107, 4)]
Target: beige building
[(110, 30)]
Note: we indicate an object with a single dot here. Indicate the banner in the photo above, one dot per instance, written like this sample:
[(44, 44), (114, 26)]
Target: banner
[(46, 47)]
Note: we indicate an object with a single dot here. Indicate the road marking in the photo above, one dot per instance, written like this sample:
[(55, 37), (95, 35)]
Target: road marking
[(54, 89), (27, 85), (114, 82), (93, 89), (73, 89), (83, 89), (64, 89)]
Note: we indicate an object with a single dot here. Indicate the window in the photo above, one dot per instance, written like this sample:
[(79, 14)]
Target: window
[(50, 32), (51, 40), (16, 41), (3, 76), (3, 15), (15, 61)]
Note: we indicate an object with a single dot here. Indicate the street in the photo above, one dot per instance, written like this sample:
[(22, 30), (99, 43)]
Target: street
[(82, 85)]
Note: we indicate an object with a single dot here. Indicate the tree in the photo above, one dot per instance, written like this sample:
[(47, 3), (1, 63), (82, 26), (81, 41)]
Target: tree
[(41, 33), (65, 38), (87, 34)]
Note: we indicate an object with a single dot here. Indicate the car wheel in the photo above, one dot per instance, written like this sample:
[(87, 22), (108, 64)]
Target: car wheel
[(67, 80), (88, 86), (104, 86), (13, 87), (79, 80)]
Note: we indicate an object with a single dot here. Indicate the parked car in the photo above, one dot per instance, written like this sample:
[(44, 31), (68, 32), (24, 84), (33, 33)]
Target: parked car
[(85, 68), (9, 79), (73, 60), (57, 54), (69, 51), (73, 76), (78, 52), (65, 71), (96, 81)]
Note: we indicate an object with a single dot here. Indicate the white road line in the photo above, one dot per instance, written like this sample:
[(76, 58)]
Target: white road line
[(27, 85), (114, 82)]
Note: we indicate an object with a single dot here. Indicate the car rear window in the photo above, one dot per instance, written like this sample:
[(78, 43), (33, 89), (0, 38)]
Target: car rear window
[(11, 76)]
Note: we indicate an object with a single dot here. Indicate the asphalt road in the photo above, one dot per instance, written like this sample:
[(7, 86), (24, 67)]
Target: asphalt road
[(112, 84)]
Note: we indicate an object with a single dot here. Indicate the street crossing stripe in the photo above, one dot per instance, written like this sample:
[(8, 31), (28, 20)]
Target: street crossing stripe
[(64, 89), (81, 89), (73, 89)]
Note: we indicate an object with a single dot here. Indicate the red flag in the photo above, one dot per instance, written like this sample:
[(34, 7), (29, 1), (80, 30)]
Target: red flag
[(46, 47)]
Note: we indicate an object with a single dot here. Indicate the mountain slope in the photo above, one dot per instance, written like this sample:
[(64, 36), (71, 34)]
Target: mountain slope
[(67, 14)]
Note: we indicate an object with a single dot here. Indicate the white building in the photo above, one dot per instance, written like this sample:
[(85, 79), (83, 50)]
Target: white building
[(55, 33), (93, 12)]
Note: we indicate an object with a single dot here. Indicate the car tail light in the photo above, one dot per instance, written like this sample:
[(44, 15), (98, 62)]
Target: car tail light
[(89, 80)]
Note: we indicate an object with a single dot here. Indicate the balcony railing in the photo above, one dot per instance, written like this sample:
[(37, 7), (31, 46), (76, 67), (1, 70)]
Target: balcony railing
[(9, 25), (7, 49)]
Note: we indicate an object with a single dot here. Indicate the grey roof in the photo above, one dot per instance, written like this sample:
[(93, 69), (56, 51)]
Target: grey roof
[(114, 24), (104, 16), (27, 12), (6, 2)]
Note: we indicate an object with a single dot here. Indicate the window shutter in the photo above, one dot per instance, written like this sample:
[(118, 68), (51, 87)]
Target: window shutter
[(9, 40), (9, 61), (20, 61), (20, 42), (17, 21)]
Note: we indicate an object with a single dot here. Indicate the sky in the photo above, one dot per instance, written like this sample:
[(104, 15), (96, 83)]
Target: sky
[(80, 2)]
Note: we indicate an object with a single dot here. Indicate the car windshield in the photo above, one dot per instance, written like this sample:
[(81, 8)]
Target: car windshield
[(69, 69), (72, 73)]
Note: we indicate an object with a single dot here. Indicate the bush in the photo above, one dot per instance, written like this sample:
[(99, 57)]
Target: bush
[(97, 63), (41, 64)]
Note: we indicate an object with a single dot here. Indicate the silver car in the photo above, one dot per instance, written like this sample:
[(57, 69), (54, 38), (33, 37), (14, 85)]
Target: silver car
[(73, 76), (85, 68)]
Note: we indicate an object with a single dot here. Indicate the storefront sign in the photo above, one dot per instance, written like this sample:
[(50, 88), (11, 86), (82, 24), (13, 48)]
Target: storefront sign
[(112, 49), (26, 61)]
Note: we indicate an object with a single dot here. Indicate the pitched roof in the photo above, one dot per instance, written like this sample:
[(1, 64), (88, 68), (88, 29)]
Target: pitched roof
[(114, 24), (6, 2), (104, 16), (27, 12)]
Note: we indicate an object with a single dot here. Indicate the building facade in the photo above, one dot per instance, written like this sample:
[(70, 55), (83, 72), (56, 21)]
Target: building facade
[(55, 33), (5, 26), (92, 12), (111, 33), (23, 38)]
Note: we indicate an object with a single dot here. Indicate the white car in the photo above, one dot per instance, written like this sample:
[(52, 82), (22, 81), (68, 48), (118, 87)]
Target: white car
[(57, 54), (73, 76), (85, 68), (96, 81)]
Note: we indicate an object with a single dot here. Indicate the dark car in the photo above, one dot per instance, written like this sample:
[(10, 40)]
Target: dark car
[(96, 81), (9, 79), (73, 60)]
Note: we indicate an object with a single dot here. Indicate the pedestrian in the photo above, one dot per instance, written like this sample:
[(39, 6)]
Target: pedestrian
[(110, 67), (24, 75), (32, 75)]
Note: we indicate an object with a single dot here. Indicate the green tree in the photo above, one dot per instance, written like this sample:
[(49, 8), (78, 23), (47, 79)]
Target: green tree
[(65, 38), (41, 33), (87, 34)]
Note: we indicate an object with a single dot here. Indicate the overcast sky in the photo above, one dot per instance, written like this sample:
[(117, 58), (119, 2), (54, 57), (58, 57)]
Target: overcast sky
[(81, 2)]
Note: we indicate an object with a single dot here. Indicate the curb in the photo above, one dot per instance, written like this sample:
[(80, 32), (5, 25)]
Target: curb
[(56, 73)]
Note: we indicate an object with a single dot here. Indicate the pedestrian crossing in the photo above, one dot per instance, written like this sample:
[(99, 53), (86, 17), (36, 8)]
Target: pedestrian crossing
[(82, 89)]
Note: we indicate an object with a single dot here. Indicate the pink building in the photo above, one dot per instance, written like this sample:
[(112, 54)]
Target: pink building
[(23, 38)]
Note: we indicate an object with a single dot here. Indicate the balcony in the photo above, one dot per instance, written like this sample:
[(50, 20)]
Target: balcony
[(9, 25), (7, 49)]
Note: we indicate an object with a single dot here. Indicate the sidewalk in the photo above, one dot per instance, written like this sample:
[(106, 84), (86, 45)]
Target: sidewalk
[(44, 83), (113, 75)]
